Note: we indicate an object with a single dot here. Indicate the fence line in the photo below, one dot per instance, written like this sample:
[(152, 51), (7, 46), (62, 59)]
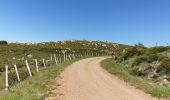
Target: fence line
[(53, 57)]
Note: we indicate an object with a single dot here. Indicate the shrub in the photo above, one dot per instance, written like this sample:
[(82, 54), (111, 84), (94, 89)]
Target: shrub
[(154, 50), (153, 57), (41, 64), (149, 59), (20, 65), (139, 60), (136, 50), (2, 67), (164, 65), (135, 71), (23, 74), (12, 78)]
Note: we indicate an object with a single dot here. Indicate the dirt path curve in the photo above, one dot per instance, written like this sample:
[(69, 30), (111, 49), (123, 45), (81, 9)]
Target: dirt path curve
[(86, 80)]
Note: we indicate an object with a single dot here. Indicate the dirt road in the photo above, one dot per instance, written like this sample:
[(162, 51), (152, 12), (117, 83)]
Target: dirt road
[(86, 80)]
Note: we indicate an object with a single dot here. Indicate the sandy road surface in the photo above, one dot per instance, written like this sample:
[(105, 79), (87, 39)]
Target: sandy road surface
[(86, 80)]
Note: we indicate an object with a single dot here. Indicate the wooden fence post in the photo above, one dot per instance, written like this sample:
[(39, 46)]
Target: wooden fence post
[(65, 57), (55, 59), (73, 56), (59, 58), (28, 67), (36, 64), (51, 59), (16, 70), (70, 56), (6, 77), (44, 63), (64, 53)]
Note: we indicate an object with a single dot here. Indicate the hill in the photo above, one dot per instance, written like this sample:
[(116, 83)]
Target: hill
[(145, 68)]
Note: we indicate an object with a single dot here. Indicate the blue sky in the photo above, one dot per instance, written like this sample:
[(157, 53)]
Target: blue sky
[(120, 21)]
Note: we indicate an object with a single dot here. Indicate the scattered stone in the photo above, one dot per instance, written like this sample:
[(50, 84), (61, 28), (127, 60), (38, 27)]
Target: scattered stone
[(29, 56), (166, 82), (13, 58), (21, 59)]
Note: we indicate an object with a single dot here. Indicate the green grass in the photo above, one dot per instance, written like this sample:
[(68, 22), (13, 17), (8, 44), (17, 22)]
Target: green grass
[(123, 73), (34, 87)]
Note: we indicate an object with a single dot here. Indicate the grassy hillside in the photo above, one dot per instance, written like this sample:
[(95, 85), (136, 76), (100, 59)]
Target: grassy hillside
[(17, 53), (145, 68)]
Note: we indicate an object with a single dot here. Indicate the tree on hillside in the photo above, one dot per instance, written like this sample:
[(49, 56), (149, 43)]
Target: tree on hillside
[(3, 42), (139, 45)]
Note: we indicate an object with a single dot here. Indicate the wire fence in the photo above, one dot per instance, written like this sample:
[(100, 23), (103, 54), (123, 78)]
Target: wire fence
[(16, 74)]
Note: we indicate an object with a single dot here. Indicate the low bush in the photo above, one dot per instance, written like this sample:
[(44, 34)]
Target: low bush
[(23, 74), (135, 71), (154, 57), (149, 59), (2, 67), (12, 78), (133, 51), (139, 60), (155, 50), (20, 65), (164, 65)]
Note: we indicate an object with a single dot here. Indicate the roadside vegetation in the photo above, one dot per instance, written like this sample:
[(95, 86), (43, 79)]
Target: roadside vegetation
[(36, 87), (145, 68)]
